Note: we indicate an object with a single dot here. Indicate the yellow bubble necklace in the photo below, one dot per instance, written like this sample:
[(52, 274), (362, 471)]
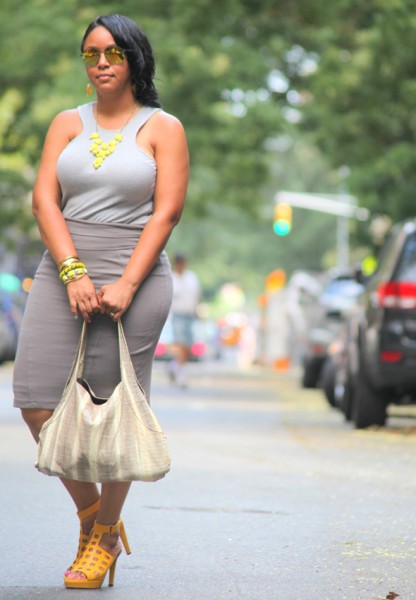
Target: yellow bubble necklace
[(102, 149)]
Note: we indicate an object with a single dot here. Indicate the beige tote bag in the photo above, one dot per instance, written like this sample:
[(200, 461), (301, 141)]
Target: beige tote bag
[(102, 440)]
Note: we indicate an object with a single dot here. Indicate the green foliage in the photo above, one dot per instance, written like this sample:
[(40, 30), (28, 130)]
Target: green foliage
[(363, 98), (210, 74), (229, 244), (260, 85)]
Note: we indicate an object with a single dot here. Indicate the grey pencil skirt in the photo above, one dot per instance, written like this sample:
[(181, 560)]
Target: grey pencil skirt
[(49, 335)]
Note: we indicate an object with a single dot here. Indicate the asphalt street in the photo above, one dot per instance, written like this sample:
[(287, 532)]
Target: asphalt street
[(271, 496)]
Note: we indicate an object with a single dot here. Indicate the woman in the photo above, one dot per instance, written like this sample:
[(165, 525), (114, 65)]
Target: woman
[(110, 188)]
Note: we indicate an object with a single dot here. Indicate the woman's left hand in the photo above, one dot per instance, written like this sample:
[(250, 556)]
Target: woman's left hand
[(114, 299)]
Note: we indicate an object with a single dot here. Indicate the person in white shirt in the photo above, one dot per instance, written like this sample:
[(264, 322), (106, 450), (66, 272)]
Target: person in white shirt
[(186, 296)]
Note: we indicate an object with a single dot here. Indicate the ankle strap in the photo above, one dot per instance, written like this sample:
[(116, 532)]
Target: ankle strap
[(100, 529), (90, 510)]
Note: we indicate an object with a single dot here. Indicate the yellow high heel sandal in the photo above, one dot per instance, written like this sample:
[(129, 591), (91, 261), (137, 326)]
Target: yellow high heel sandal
[(95, 561), (84, 537)]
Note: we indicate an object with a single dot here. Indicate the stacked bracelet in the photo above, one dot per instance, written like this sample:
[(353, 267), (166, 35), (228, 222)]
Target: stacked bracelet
[(67, 261), (73, 275), (71, 269)]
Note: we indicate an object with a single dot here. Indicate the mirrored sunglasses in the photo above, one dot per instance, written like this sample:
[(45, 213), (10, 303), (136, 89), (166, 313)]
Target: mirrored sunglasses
[(113, 54)]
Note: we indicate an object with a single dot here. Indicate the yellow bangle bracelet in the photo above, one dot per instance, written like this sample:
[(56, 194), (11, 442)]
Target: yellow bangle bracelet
[(71, 267), (63, 262), (74, 273)]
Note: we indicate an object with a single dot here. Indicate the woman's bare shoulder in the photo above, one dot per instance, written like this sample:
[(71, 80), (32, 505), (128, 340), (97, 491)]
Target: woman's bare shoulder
[(167, 122), (66, 124), (67, 117)]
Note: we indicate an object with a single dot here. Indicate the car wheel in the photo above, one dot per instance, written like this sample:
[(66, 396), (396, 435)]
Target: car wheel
[(369, 406), (328, 380), (344, 397), (311, 373)]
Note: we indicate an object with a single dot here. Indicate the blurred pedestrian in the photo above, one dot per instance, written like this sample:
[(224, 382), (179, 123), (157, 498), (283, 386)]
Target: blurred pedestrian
[(110, 188), (247, 345), (186, 296)]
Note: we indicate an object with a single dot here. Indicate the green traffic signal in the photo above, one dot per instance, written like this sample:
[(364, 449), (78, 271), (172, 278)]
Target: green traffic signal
[(281, 227), (282, 219)]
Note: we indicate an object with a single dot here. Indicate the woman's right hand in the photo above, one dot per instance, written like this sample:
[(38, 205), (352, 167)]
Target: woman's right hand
[(83, 298)]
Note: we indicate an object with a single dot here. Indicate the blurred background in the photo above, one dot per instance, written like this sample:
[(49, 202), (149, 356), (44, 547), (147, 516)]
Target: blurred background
[(305, 97), (300, 225)]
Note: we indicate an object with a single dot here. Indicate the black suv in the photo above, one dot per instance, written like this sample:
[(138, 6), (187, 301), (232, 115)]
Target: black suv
[(380, 364)]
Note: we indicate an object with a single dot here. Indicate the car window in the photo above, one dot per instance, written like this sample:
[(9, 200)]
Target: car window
[(406, 268)]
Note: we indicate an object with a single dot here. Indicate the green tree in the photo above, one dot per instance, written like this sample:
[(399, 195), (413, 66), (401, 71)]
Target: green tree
[(362, 98), (230, 71)]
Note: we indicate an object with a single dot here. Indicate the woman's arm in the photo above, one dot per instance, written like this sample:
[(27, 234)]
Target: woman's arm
[(166, 138), (46, 199), (46, 206)]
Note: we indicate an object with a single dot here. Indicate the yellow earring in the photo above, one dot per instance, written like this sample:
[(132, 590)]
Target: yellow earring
[(89, 89)]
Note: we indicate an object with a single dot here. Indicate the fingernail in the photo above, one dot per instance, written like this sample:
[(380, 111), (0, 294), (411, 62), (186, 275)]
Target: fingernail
[(75, 317)]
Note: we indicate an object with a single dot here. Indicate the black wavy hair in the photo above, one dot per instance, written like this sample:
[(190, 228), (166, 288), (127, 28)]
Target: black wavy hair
[(128, 35)]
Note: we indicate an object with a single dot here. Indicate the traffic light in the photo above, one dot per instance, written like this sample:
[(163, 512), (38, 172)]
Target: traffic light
[(282, 218)]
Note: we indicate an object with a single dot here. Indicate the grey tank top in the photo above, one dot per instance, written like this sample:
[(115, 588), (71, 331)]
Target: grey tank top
[(121, 190)]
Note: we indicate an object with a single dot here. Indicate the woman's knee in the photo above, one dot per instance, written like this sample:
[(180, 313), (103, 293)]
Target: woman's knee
[(35, 418)]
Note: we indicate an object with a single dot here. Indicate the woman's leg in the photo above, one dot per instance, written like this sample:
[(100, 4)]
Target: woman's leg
[(113, 496), (34, 419), (83, 494)]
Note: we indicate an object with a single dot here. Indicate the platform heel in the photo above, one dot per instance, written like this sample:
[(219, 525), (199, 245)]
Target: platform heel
[(95, 562), (83, 537)]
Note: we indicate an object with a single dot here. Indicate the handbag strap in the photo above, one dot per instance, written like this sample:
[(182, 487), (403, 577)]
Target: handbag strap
[(126, 366), (78, 362)]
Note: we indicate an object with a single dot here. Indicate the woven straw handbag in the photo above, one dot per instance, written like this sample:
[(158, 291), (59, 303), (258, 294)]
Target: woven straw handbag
[(102, 440)]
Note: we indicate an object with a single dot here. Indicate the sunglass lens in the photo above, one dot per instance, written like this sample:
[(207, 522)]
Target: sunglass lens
[(90, 58), (115, 56)]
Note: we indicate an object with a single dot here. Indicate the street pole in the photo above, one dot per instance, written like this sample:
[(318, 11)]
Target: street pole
[(343, 244), (343, 206)]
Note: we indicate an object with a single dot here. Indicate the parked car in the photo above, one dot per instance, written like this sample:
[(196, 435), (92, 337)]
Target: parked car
[(380, 364), (330, 369), (11, 312), (338, 298)]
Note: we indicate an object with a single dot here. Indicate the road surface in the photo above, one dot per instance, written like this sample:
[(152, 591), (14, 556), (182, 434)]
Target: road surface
[(271, 496)]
